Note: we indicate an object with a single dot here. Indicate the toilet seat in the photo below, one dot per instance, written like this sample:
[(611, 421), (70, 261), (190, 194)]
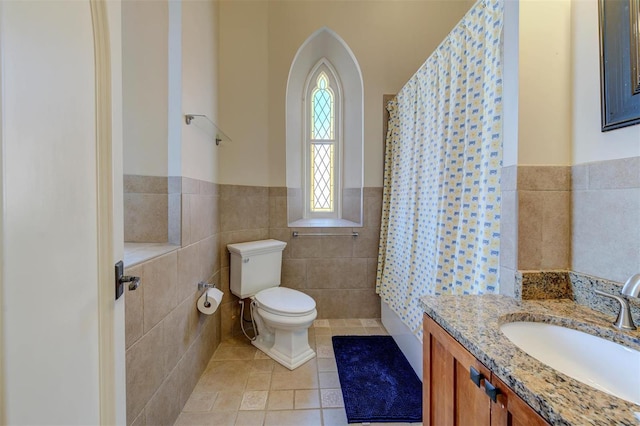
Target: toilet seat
[(285, 302)]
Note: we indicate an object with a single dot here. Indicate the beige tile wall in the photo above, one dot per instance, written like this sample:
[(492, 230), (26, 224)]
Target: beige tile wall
[(536, 221), (509, 230), (606, 218), (168, 341), (352, 204), (244, 216), (151, 209), (145, 209), (338, 272), (295, 203), (582, 218), (544, 217)]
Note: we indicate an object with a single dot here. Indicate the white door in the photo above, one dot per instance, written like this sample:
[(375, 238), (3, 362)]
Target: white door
[(62, 329)]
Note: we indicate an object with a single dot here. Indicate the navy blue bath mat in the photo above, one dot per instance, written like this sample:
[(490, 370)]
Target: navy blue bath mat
[(378, 383)]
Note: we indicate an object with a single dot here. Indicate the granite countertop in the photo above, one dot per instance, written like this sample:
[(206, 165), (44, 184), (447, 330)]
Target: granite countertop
[(475, 321)]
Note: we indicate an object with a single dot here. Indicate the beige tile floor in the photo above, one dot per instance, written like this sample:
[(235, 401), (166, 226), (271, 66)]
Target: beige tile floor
[(242, 386)]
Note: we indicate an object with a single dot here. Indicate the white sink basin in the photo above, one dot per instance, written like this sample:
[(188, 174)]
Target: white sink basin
[(594, 361)]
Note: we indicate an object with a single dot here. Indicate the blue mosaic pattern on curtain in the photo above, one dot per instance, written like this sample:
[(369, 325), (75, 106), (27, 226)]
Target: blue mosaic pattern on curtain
[(440, 231)]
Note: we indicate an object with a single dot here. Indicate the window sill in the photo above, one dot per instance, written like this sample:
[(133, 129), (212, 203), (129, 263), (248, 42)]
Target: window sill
[(324, 223)]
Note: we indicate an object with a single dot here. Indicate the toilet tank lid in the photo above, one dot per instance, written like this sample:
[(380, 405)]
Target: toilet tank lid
[(252, 248)]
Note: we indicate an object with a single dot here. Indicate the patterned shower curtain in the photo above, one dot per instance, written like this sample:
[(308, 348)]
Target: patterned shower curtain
[(441, 205)]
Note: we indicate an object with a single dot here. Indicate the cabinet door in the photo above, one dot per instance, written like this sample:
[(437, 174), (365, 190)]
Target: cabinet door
[(510, 410), (450, 396)]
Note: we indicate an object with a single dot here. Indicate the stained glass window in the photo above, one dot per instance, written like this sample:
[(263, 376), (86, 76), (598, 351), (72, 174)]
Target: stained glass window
[(322, 156), (322, 177), (322, 110)]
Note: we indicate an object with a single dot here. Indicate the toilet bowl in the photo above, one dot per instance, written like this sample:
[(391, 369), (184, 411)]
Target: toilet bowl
[(282, 315)]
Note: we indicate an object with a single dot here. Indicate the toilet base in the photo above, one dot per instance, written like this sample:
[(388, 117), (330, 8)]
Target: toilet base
[(284, 339), (291, 362)]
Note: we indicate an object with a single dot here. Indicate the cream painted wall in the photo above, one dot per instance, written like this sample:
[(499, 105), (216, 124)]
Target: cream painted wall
[(589, 143), (558, 88), (544, 104), (170, 53), (199, 87), (244, 93), (145, 90), (258, 41)]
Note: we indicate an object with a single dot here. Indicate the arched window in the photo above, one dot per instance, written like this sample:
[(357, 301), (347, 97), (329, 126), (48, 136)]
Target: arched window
[(324, 131), (322, 148)]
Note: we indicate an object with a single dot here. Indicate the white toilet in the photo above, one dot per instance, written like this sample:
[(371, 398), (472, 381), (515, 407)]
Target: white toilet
[(282, 315)]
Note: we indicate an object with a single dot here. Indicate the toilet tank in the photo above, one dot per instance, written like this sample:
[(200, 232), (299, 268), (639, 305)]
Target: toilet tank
[(255, 266)]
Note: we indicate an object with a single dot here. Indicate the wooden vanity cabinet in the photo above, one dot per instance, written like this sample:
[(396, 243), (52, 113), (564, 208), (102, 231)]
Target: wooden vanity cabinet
[(457, 387)]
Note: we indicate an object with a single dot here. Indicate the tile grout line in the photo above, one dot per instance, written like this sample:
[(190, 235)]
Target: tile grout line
[(341, 326)]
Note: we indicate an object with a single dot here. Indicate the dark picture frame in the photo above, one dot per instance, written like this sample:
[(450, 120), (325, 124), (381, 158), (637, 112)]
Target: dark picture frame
[(619, 63), (634, 27)]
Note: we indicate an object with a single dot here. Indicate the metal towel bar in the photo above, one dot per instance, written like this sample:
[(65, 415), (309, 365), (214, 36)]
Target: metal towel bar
[(298, 234)]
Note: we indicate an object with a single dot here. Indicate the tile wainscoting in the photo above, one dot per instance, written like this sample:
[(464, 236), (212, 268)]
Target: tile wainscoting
[(168, 341), (582, 218), (338, 272)]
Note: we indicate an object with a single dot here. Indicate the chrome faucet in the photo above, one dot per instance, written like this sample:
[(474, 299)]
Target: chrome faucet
[(631, 288)]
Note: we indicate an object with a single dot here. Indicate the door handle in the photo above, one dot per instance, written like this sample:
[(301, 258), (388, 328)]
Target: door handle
[(134, 282), (121, 278)]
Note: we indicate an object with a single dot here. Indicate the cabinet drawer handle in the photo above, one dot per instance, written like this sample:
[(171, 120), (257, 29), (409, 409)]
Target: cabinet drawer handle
[(476, 376), (491, 390)]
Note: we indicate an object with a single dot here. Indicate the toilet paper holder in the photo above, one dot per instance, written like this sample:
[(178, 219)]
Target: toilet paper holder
[(205, 286)]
